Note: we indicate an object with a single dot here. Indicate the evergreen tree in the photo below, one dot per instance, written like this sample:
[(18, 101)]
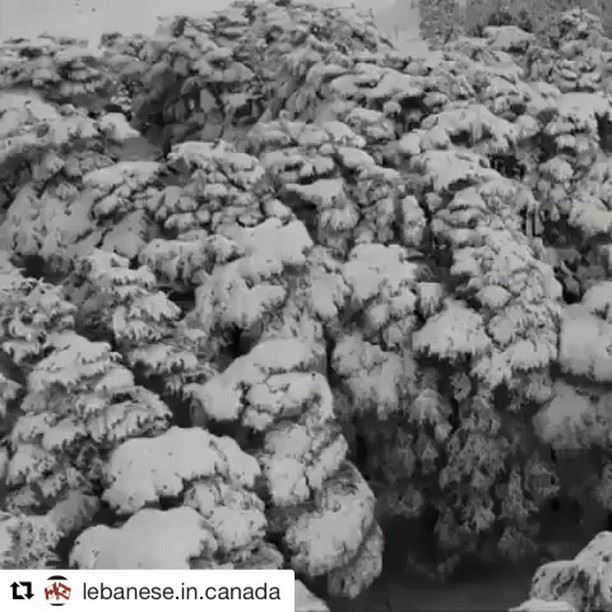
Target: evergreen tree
[(441, 20)]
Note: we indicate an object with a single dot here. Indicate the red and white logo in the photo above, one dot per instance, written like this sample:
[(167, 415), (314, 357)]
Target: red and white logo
[(57, 591)]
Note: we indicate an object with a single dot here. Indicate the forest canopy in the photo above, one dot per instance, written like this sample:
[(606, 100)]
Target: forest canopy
[(270, 284)]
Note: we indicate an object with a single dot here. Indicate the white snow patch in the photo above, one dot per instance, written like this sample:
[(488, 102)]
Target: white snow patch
[(144, 469), (151, 539)]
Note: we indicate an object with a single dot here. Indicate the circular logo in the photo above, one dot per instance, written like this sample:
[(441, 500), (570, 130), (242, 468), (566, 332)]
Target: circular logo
[(57, 591)]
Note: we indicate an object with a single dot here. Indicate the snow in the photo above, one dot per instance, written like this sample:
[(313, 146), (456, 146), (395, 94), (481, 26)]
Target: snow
[(75, 512), (298, 458), (590, 215), (598, 300), (327, 294), (134, 173), (478, 122), (242, 291), (283, 395), (365, 567), (272, 241), (74, 357), (353, 274), (584, 582), (142, 470), (582, 108), (324, 193), (29, 463), (541, 605), (397, 86), (13, 105), (221, 397), (211, 155), (374, 269), (455, 332), (446, 168), (373, 377), (330, 536), (150, 539), (235, 516), (584, 343), (26, 541), (116, 127), (567, 422), (410, 144), (508, 38)]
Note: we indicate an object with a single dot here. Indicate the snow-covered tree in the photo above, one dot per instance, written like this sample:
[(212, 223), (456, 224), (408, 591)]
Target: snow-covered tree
[(63, 69), (216, 75), (64, 192), (144, 324), (77, 403), (538, 16), (441, 20), (321, 508), (221, 522), (332, 184)]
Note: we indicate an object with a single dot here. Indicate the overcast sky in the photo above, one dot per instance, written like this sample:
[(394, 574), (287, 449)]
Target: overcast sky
[(90, 18)]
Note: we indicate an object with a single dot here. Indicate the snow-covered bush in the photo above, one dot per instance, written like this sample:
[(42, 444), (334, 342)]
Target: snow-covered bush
[(582, 583)]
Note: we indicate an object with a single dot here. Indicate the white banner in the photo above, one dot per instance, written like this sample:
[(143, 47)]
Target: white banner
[(147, 590)]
